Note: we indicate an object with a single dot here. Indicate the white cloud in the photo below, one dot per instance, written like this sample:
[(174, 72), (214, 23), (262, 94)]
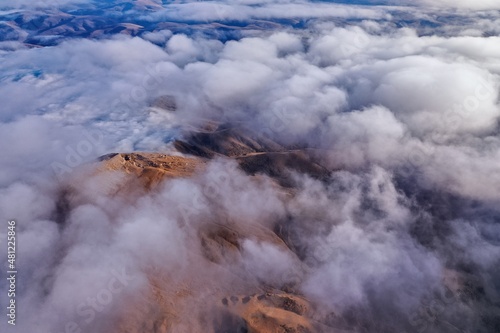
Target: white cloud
[(465, 4), (372, 100)]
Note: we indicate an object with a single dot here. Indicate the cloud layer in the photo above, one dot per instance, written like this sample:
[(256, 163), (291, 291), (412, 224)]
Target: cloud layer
[(406, 121)]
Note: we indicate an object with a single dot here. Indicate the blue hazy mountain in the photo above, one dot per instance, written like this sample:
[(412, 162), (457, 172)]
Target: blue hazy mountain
[(98, 19)]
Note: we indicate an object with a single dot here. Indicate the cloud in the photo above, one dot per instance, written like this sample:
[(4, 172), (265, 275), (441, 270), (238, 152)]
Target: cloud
[(42, 4), (406, 122), (243, 11), (465, 4), (460, 4)]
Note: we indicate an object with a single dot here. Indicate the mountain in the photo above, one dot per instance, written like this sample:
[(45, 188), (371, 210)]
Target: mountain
[(268, 309), (241, 303)]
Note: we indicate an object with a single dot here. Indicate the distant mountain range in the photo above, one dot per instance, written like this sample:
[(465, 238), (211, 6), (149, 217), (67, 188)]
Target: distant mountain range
[(103, 19)]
